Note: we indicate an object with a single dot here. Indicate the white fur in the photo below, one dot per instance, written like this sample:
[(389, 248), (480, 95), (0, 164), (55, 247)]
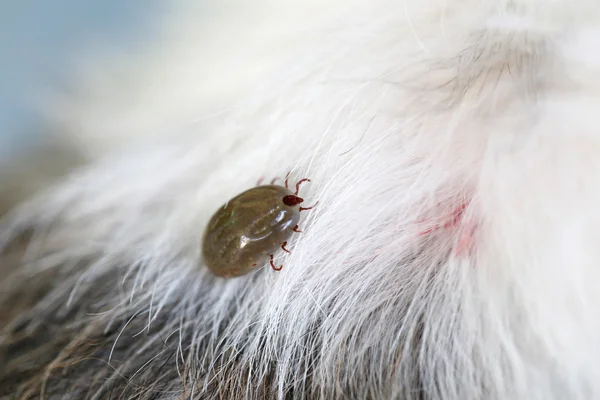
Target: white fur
[(399, 112)]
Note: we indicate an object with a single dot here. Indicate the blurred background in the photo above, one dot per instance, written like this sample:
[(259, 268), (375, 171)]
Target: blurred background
[(80, 80), (38, 42)]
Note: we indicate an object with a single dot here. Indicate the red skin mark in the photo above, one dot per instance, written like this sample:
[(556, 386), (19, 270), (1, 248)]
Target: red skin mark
[(456, 216), (273, 265), (283, 247), (465, 240), (295, 229), (466, 236)]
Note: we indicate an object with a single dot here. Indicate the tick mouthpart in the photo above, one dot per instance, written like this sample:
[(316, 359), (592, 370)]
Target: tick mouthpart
[(292, 200)]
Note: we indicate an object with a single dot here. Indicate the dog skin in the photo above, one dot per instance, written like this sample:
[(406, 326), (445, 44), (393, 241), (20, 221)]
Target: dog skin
[(453, 147)]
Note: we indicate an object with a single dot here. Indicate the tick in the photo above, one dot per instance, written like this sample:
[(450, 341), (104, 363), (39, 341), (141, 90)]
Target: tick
[(250, 228)]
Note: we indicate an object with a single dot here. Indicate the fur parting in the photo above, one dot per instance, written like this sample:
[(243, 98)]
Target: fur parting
[(421, 124)]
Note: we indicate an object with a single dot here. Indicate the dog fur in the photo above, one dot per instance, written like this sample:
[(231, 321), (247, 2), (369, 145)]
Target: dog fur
[(453, 147)]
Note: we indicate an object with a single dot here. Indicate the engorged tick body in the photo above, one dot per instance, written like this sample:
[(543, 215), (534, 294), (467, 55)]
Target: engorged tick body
[(250, 228)]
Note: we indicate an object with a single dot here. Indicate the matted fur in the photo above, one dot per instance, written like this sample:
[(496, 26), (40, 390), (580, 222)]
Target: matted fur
[(400, 112)]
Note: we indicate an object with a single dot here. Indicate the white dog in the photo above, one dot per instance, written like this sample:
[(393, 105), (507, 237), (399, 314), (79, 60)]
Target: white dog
[(453, 147)]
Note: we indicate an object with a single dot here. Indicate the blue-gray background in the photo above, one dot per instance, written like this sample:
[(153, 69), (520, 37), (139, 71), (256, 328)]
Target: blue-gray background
[(38, 40)]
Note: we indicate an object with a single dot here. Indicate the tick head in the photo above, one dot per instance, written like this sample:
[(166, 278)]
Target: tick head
[(292, 200)]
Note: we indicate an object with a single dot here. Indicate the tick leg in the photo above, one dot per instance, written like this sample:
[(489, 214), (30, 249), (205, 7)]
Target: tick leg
[(284, 249), (298, 184), (259, 181), (274, 180), (309, 208), (273, 265), (295, 229), (286, 180)]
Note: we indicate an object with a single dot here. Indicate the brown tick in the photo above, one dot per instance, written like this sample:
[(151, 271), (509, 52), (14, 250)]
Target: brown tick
[(251, 227)]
